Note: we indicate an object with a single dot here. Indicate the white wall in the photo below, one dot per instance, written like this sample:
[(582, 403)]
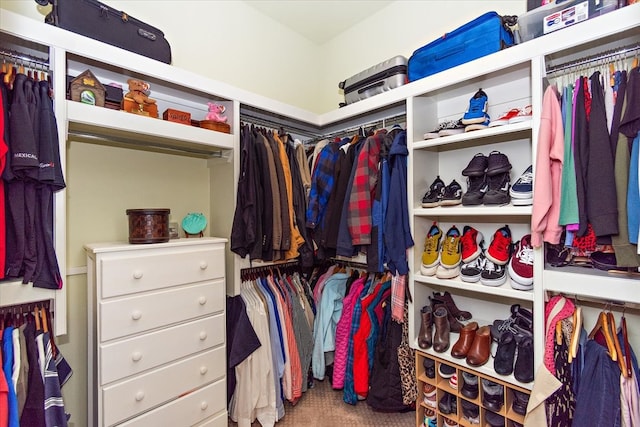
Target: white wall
[(234, 43)]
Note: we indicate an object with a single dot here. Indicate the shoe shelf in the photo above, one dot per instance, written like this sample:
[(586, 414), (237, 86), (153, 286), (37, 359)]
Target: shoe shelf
[(478, 137), (443, 387), (484, 211), (88, 121), (504, 291)]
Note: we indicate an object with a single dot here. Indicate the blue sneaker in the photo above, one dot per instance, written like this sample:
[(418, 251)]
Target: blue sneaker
[(522, 190), (478, 126), (477, 111)]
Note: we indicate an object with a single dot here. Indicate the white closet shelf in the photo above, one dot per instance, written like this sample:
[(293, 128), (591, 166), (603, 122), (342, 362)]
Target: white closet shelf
[(444, 211), (486, 369), (592, 283), (475, 135), (119, 125), (504, 291)]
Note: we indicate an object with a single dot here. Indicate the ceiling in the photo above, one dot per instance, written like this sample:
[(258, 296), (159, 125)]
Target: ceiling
[(318, 20)]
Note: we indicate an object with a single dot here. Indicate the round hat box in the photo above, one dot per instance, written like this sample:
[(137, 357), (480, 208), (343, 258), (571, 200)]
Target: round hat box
[(148, 225)]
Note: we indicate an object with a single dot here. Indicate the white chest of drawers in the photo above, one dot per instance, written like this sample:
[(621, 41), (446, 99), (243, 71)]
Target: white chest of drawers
[(156, 322)]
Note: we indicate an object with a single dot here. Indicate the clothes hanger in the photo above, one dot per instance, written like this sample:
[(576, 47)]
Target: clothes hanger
[(616, 343), (602, 325), (575, 337), (36, 315), (627, 347), (558, 333)]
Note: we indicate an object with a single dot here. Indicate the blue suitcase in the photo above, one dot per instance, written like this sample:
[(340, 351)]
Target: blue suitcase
[(482, 36)]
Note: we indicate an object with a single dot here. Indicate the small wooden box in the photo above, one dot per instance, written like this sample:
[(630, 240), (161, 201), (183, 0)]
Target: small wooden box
[(217, 126), (130, 106), (177, 116)]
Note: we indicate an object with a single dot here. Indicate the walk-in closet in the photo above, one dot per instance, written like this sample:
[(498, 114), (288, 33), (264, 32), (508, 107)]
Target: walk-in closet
[(459, 250)]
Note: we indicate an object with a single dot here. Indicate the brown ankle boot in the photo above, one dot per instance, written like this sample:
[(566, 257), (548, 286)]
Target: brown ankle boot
[(425, 336), (462, 346), (481, 348), (441, 336)]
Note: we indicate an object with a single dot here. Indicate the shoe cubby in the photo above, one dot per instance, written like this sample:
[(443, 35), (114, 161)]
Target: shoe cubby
[(484, 308), (497, 387)]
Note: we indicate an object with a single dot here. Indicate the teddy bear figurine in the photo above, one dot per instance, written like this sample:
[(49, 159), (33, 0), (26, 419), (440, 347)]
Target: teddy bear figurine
[(138, 92), (216, 112)]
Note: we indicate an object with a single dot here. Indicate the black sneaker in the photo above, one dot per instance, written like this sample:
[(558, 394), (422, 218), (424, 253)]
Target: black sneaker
[(477, 166), (432, 198), (452, 194), (498, 192), (429, 367), (470, 272), (446, 371), (497, 163), (476, 190), (493, 274)]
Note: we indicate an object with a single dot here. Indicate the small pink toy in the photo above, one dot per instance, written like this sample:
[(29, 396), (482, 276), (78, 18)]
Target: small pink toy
[(216, 112)]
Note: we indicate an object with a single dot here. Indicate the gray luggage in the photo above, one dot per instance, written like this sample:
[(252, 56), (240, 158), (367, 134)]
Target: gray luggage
[(380, 78)]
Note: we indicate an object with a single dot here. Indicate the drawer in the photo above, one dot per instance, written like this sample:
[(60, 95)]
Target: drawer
[(128, 273), (134, 396), (217, 421), (188, 409), (133, 355), (119, 317)]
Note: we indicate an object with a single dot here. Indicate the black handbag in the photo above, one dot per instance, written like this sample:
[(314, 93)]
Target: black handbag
[(98, 21)]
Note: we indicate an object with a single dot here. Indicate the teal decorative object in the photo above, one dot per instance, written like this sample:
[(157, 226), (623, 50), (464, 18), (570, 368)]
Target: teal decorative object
[(194, 223)]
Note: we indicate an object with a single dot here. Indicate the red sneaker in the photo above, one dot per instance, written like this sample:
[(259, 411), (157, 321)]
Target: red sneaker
[(521, 265), (472, 243), (500, 248)]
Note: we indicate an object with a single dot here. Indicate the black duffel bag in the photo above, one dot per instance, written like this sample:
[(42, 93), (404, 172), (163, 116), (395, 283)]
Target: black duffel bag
[(98, 21)]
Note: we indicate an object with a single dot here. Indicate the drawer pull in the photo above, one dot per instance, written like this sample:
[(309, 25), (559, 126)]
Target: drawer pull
[(136, 315), (203, 336), (202, 300), (139, 396), (203, 370), (204, 406), (137, 274), (136, 356), (203, 265)]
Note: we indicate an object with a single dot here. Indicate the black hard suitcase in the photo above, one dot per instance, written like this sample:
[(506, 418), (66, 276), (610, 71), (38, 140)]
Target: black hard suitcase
[(380, 78), (98, 21)]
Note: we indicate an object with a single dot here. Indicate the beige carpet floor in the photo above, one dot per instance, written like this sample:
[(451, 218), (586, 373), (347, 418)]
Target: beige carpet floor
[(321, 406)]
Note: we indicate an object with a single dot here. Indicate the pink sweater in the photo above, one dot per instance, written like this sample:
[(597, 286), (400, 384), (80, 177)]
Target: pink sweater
[(548, 172)]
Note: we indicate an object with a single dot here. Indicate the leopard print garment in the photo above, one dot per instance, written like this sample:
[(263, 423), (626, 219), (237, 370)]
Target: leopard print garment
[(407, 362)]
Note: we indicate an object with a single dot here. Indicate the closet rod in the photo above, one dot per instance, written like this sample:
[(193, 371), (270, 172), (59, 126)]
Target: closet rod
[(377, 124), (101, 139), (25, 307), (288, 127), (599, 57), (24, 57)]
